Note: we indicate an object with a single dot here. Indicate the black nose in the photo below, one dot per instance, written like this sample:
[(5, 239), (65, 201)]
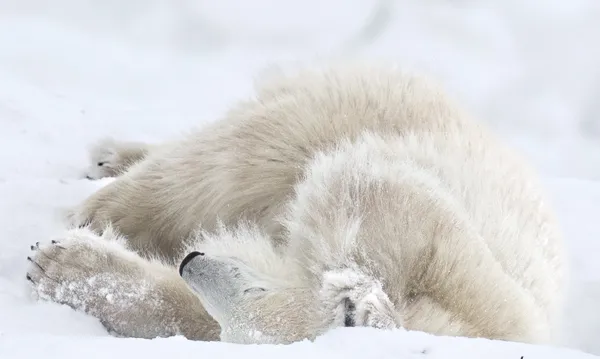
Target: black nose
[(187, 259)]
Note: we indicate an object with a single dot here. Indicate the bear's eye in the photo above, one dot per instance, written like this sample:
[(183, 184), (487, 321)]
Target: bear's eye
[(254, 290)]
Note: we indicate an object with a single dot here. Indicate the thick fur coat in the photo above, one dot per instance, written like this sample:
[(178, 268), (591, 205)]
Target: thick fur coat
[(348, 196)]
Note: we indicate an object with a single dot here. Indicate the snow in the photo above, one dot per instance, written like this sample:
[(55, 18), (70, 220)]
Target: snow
[(342, 343), (74, 71)]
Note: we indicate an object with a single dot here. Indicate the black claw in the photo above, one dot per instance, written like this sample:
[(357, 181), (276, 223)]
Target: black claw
[(29, 278), (36, 264), (85, 223), (350, 309), (32, 248), (100, 164), (57, 244)]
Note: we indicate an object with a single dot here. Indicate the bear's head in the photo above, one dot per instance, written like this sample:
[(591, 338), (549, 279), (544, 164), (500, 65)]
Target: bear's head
[(252, 306)]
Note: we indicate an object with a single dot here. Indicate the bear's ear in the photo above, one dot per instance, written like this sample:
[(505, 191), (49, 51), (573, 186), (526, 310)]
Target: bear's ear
[(254, 290)]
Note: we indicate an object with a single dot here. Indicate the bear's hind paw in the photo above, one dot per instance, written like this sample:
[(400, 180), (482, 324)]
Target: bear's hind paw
[(104, 158)]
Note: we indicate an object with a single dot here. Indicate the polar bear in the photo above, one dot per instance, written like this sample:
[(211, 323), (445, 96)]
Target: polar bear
[(348, 196)]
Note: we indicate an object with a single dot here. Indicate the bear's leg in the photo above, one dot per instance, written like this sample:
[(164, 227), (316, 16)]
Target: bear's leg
[(110, 158), (465, 278), (131, 296), (356, 299)]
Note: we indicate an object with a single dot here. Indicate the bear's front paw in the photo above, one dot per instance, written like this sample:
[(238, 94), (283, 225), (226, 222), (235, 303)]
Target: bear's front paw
[(355, 299), (76, 269), (59, 270), (374, 311)]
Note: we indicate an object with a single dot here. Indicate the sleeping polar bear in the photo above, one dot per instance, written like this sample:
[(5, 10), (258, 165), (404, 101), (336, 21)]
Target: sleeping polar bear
[(352, 196)]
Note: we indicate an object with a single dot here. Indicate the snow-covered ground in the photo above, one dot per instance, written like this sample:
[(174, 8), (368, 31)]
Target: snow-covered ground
[(72, 71)]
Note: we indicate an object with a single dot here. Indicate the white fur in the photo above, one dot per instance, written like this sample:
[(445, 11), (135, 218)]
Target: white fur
[(99, 275), (352, 195), (411, 242), (109, 158)]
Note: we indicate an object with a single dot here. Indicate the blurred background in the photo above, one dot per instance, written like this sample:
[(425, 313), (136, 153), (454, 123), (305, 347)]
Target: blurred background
[(73, 71), (530, 68)]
